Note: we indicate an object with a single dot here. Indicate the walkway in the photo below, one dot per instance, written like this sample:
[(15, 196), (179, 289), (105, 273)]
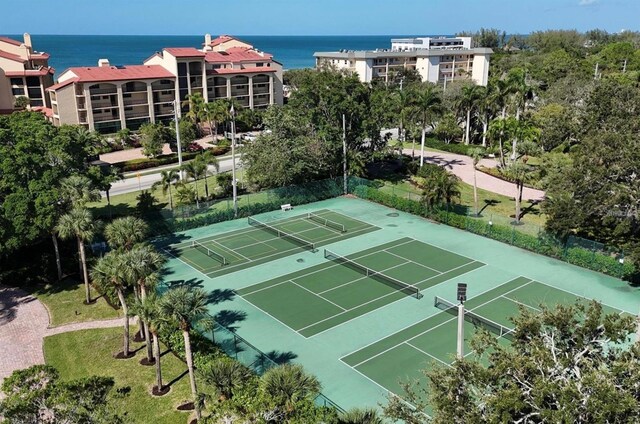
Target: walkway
[(130, 154), (24, 323), (462, 166)]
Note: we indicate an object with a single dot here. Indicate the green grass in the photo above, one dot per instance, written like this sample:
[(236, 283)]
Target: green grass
[(495, 207), (90, 352), (125, 204), (65, 303)]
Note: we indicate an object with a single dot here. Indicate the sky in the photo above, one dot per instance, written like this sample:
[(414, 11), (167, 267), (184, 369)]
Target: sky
[(312, 17)]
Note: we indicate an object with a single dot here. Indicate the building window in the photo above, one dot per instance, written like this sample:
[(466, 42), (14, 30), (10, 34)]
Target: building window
[(259, 65), (16, 81), (18, 91)]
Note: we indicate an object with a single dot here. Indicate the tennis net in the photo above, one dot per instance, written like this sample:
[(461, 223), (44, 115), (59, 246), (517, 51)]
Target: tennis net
[(326, 222), (210, 253), (282, 234), (406, 288), (475, 319)]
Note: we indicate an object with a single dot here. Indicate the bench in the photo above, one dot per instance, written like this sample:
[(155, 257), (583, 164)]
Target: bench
[(286, 207)]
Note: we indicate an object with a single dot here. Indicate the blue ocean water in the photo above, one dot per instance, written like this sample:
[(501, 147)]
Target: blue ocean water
[(292, 51)]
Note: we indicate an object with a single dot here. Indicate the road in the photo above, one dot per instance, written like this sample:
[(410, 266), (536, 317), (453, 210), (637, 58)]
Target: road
[(146, 181)]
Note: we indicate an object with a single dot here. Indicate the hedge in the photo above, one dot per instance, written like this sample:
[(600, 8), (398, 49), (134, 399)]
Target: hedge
[(460, 149), (144, 163), (543, 243)]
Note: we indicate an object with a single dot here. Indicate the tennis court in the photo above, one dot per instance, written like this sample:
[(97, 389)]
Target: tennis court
[(321, 297), (224, 253), (402, 356)]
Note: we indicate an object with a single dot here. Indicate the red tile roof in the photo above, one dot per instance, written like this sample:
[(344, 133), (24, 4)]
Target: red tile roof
[(253, 70), (11, 56), (31, 72), (184, 52), (222, 39), (40, 55), (10, 41), (47, 111), (116, 73), (62, 84), (237, 54)]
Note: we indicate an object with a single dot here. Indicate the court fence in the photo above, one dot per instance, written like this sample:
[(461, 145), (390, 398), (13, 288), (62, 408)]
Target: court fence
[(574, 250), (253, 358)]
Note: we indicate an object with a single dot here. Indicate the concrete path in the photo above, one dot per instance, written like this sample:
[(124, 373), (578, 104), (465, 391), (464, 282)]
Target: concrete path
[(24, 323), (462, 166), (130, 154)]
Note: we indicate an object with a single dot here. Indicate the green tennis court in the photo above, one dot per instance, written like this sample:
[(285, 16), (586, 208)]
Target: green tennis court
[(403, 355), (321, 297), (224, 253)]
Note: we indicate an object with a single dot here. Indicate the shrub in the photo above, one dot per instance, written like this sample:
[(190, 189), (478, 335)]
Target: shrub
[(140, 164), (460, 149)]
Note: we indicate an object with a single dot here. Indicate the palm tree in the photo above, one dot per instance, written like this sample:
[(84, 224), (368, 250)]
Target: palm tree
[(288, 384), (208, 159), (79, 223), (78, 190), (468, 102), (124, 233), (225, 375), (167, 179), (501, 129), (427, 103), (476, 154), (360, 416), (143, 263), (196, 104), (195, 170), (187, 307), (441, 187), (518, 172), (216, 111), (110, 273), (148, 310), (403, 99), (486, 110)]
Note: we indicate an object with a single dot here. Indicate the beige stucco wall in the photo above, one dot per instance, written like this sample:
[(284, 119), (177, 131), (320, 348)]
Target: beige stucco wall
[(480, 73), (11, 65), (6, 97), (229, 44), (67, 106)]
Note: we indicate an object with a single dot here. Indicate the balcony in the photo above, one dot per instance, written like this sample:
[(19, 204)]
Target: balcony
[(82, 117), (144, 113), (103, 91), (136, 101)]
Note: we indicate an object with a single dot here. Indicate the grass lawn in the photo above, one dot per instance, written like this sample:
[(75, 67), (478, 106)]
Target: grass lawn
[(90, 352), (64, 301), (494, 207), (125, 204)]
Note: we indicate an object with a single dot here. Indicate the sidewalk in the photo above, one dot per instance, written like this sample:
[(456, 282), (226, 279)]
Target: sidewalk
[(131, 154), (462, 166)]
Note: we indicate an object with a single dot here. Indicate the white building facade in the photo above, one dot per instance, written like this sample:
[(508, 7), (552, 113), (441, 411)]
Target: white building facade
[(436, 60)]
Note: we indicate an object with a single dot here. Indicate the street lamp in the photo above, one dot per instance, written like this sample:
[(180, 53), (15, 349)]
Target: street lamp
[(175, 105), (233, 162), (462, 297)]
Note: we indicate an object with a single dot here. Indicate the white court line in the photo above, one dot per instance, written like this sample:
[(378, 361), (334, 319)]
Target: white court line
[(427, 353), (364, 277), (226, 248), (180, 259), (430, 328), (390, 303), (414, 262), (526, 305), (327, 300)]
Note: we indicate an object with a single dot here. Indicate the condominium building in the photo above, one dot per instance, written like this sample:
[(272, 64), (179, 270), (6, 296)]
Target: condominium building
[(107, 98), (24, 72), (436, 60)]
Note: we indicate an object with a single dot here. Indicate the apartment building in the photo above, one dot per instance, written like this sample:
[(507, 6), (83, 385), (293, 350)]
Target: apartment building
[(436, 60), (107, 98), (24, 72)]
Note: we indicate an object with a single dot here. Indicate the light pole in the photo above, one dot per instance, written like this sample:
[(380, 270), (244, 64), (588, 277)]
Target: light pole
[(344, 152), (175, 115), (462, 297), (233, 162)]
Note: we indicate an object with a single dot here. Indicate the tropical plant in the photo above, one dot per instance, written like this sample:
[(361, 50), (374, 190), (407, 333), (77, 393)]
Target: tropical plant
[(110, 274), (427, 103), (78, 190), (519, 173), (79, 223), (143, 264), (196, 107), (124, 233), (148, 310), (469, 100), (195, 170), (289, 384), (207, 159), (185, 195), (167, 179), (124, 136), (476, 155), (186, 307), (360, 416), (216, 112), (225, 376), (440, 187)]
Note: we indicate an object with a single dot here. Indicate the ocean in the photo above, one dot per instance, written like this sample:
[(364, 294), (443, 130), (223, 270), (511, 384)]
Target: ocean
[(292, 51)]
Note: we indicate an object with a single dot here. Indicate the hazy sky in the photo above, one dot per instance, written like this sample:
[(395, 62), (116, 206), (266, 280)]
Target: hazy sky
[(312, 17)]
